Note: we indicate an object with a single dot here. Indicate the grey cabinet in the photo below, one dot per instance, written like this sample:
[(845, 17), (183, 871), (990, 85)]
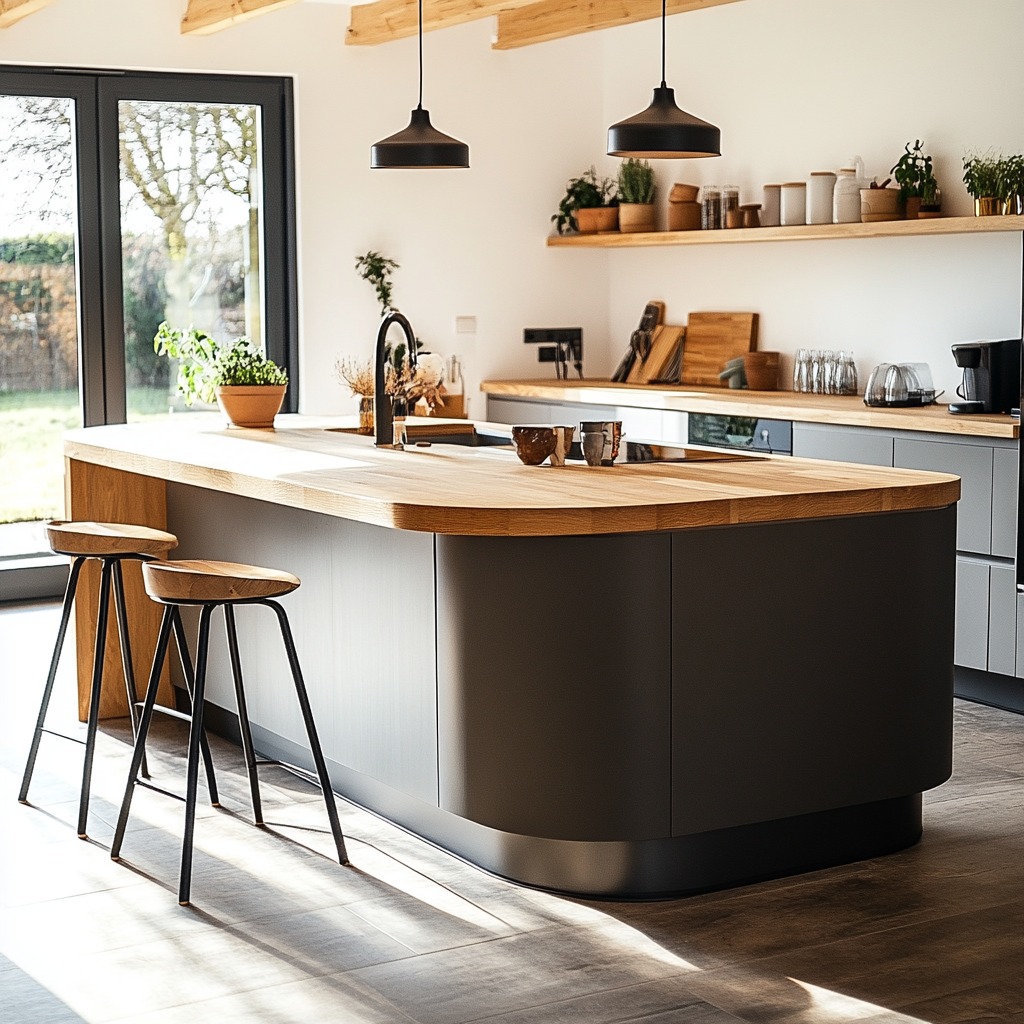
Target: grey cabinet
[(1004, 502), (970, 643), (1002, 621), (517, 410), (842, 444), (973, 464)]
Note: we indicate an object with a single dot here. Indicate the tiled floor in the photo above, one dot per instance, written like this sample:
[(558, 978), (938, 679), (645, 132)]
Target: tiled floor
[(279, 932)]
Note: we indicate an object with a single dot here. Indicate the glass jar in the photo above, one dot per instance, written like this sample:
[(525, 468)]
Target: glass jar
[(711, 207), (730, 200)]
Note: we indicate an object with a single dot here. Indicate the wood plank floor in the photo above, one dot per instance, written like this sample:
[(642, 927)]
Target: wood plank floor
[(280, 933)]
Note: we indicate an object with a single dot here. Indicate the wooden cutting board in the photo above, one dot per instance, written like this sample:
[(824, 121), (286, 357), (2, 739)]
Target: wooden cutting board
[(712, 339), (666, 339)]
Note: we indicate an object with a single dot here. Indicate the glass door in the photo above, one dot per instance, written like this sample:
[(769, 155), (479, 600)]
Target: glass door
[(127, 199)]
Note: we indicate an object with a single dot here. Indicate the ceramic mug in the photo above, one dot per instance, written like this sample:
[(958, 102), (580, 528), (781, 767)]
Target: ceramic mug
[(593, 447), (563, 442), (611, 431)]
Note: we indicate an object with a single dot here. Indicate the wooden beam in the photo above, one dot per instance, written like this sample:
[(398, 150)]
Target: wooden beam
[(206, 16), (555, 19), (385, 20), (14, 10)]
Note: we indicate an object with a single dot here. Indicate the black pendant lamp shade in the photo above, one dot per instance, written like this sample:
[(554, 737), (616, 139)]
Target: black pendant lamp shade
[(420, 144), (663, 131)]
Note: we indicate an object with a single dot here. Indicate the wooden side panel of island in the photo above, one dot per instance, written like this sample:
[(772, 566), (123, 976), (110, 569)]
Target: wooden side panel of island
[(100, 494)]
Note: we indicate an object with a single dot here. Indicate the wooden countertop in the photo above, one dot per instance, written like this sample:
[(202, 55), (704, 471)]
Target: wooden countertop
[(838, 410), (486, 491)]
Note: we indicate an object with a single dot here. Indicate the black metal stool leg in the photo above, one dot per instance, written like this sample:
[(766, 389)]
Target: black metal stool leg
[(192, 776), (139, 751), (69, 599), (94, 695), (127, 664), (314, 742), (248, 749), (190, 686)]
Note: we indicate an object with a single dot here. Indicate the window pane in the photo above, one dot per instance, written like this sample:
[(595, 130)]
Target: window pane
[(191, 233), (39, 343)]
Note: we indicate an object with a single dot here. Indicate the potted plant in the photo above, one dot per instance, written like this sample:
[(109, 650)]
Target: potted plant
[(248, 387), (588, 206), (1013, 184), (983, 176), (918, 187), (636, 195)]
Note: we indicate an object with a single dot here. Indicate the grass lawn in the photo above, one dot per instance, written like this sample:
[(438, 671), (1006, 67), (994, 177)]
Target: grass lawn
[(32, 425)]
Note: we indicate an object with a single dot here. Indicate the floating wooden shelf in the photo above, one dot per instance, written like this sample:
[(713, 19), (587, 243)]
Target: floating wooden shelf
[(803, 233)]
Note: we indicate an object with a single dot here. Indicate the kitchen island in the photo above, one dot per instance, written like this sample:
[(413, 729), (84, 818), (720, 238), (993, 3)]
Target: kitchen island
[(636, 680)]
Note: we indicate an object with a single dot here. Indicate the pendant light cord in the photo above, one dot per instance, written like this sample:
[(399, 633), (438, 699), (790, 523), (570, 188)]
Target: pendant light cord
[(663, 16), (419, 105)]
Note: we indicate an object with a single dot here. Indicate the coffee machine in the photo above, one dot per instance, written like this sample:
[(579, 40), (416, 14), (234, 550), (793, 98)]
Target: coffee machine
[(991, 376)]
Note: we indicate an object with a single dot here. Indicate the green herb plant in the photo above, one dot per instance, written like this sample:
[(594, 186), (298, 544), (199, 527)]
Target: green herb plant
[(583, 193), (205, 364), (377, 269), (636, 181), (913, 174), (984, 176)]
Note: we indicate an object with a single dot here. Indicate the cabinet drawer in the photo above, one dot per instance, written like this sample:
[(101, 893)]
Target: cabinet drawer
[(973, 464), (970, 646), (839, 444), (512, 410)]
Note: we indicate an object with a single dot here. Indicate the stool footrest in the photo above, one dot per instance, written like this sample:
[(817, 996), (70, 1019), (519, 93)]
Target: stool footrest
[(63, 736), (159, 789), (163, 709)]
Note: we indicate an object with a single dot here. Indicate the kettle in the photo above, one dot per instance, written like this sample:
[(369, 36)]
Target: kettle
[(900, 384)]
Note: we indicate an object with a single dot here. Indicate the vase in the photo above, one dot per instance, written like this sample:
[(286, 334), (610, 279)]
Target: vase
[(365, 414), (987, 206), (253, 406)]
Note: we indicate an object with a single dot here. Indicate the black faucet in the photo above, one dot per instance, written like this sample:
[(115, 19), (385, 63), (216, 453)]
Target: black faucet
[(383, 405)]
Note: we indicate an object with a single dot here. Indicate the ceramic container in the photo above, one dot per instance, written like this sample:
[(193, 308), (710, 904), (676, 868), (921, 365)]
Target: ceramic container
[(820, 188), (770, 203), (533, 443), (793, 203)]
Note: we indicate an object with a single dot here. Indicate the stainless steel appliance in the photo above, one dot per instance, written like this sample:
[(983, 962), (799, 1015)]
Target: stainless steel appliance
[(991, 381), (899, 385)]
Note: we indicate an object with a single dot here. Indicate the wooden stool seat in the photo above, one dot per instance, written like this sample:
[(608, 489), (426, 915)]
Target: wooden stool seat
[(96, 540), (199, 580)]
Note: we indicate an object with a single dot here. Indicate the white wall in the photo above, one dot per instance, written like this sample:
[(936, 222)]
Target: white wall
[(800, 85), (794, 85)]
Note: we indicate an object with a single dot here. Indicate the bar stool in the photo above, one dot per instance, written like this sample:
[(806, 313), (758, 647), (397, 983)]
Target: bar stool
[(111, 544), (209, 585)]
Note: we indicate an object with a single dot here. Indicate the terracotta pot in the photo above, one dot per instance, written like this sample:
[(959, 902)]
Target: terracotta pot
[(636, 216), (762, 370), (253, 406), (592, 219), (913, 207)]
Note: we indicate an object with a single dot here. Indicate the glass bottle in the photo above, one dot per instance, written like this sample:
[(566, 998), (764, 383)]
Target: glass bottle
[(454, 390)]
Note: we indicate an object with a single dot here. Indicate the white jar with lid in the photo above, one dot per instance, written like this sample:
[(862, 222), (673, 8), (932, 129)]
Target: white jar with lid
[(820, 188), (846, 195), (793, 206), (770, 206)]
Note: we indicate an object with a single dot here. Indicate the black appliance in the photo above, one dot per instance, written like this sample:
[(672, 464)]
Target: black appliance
[(991, 380)]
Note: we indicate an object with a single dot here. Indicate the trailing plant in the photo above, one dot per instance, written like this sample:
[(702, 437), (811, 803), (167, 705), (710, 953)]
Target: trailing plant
[(984, 176), (583, 193), (376, 269), (205, 364), (913, 174), (636, 181)]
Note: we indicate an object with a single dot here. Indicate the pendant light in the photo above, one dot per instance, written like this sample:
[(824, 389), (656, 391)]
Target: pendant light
[(663, 130), (420, 144)]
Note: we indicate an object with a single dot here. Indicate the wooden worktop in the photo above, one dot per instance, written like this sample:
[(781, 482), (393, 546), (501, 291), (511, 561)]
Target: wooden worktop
[(486, 491), (838, 410)]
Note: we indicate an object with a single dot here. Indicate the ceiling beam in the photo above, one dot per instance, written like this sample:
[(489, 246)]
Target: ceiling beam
[(555, 19), (14, 10), (206, 16), (385, 20)]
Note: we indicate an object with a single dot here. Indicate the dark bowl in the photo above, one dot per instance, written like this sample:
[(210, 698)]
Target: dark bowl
[(534, 444)]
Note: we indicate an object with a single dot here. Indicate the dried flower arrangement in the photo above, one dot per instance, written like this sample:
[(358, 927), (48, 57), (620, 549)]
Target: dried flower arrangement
[(357, 374), (426, 383)]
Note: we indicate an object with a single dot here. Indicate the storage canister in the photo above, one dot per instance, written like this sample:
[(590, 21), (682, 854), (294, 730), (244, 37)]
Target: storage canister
[(793, 205), (770, 206), (820, 188)]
